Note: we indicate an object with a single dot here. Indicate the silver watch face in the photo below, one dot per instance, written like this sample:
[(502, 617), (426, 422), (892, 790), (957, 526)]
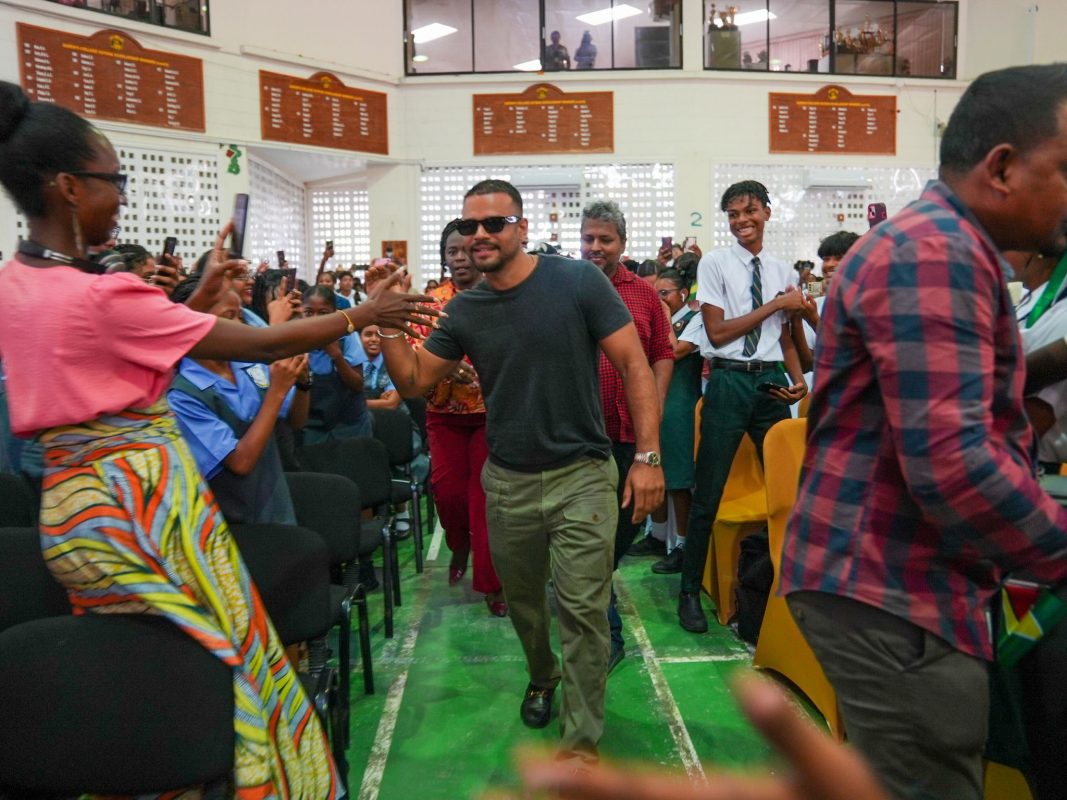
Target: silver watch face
[(650, 458)]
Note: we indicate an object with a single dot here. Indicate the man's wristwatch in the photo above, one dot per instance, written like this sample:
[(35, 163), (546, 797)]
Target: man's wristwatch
[(651, 458)]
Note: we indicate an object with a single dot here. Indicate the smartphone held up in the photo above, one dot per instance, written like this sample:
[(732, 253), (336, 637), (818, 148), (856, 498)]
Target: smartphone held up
[(240, 222)]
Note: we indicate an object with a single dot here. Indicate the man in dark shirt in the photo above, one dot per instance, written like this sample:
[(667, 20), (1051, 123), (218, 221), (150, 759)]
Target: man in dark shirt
[(533, 330), (918, 494)]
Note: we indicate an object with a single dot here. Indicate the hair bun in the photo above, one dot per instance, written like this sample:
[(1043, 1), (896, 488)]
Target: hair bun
[(14, 105)]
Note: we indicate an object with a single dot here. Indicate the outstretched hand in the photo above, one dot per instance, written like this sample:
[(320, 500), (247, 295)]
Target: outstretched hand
[(219, 272), (394, 308)]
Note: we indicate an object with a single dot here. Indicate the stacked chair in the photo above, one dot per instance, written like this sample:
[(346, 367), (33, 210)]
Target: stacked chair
[(329, 505), (782, 648), (365, 462), (393, 428)]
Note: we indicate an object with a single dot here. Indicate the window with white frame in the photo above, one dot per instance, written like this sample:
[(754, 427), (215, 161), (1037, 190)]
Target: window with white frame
[(276, 209), (553, 198), (342, 216), (168, 193)]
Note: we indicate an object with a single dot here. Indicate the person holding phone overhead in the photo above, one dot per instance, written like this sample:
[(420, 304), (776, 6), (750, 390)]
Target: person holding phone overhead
[(746, 296), (87, 380)]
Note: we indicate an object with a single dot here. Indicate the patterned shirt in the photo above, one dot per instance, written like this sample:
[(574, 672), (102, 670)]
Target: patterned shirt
[(653, 329), (448, 396), (917, 493)]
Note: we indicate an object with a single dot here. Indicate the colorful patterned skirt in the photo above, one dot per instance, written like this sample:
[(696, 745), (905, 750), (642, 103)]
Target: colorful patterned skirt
[(129, 527)]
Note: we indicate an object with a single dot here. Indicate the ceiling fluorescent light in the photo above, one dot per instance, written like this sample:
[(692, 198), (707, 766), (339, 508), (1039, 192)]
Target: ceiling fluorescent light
[(749, 17), (608, 14), (420, 59), (435, 30), (529, 66)]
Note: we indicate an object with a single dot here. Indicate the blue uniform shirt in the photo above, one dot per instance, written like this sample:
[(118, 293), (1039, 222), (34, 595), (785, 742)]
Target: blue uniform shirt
[(209, 438), (351, 349)]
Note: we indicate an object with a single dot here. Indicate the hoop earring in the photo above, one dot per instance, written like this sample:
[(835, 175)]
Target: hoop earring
[(79, 242)]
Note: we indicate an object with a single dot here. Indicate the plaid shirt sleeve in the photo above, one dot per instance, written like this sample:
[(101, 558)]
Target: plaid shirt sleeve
[(933, 355), (917, 492)]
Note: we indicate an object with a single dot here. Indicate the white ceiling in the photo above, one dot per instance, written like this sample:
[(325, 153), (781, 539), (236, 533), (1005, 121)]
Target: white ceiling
[(304, 166)]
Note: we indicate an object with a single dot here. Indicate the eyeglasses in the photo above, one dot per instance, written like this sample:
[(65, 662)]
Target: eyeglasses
[(468, 227), (117, 179)]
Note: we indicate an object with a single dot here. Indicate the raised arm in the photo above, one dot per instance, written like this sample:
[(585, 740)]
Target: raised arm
[(233, 341), (414, 372), (249, 449)]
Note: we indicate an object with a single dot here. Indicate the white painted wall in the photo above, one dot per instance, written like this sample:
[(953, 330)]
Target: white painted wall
[(689, 117)]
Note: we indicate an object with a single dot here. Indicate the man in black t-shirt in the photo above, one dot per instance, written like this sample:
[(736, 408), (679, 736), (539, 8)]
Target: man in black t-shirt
[(533, 330)]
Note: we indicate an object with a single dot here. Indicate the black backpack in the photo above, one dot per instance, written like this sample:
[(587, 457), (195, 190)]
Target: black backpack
[(755, 574)]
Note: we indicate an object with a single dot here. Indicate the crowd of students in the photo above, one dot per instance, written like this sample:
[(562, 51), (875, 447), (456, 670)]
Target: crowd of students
[(919, 494)]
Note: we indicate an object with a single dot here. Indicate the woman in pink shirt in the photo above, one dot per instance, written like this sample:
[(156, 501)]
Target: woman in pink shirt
[(127, 524)]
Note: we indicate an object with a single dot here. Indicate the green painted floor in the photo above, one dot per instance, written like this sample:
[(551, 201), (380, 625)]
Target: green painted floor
[(444, 720)]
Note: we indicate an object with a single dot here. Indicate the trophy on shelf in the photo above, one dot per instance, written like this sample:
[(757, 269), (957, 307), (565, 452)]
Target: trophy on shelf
[(724, 20), (723, 49), (861, 41)]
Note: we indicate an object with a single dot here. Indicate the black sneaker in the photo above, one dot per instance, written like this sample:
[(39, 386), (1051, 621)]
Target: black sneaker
[(671, 564), (649, 546), (536, 708)]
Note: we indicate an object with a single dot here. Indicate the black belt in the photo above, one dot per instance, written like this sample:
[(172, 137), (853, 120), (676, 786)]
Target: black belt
[(743, 366)]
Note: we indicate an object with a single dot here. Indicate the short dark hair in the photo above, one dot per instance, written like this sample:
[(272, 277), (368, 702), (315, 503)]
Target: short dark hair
[(647, 267), (1017, 106), (37, 141), (753, 189), (133, 256), (449, 229), (674, 277), (837, 244), (496, 186), (184, 290), (686, 264), (323, 292)]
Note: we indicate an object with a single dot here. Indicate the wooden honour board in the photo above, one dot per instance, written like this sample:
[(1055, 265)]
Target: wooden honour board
[(322, 111), (110, 76), (833, 120), (544, 119)]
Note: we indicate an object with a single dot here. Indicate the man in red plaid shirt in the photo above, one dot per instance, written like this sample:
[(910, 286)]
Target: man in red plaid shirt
[(918, 493), (603, 242)]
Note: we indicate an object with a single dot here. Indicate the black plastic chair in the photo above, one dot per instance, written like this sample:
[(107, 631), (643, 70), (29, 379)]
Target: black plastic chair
[(291, 569), (417, 407), (393, 428), (19, 505), (65, 679), (365, 462), (330, 505)]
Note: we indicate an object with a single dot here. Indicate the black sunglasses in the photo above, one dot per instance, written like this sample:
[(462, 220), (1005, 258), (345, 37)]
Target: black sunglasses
[(117, 179), (468, 227)]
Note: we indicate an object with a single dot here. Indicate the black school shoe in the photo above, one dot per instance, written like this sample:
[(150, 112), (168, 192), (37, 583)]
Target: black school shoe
[(672, 564), (690, 614), (536, 708), (649, 546)]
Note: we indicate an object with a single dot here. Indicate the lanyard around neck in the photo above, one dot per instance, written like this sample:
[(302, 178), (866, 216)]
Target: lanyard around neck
[(1052, 288)]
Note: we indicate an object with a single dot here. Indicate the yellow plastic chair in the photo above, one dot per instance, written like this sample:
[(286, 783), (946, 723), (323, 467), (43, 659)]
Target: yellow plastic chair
[(1005, 783), (742, 511), (781, 646)]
